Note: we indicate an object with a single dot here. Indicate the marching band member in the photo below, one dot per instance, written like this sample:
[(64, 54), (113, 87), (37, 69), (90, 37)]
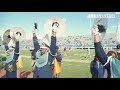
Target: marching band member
[(44, 57), (112, 64), (33, 58), (12, 55)]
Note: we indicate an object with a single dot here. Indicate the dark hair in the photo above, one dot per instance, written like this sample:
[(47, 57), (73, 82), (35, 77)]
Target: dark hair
[(110, 53), (55, 23), (95, 58), (94, 61)]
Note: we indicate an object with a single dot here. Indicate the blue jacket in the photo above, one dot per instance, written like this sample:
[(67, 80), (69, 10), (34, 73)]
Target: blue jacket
[(33, 54), (13, 62), (16, 52), (45, 71), (97, 70), (101, 55)]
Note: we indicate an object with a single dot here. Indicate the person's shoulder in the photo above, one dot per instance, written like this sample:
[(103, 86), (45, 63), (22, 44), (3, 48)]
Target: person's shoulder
[(92, 62), (115, 59)]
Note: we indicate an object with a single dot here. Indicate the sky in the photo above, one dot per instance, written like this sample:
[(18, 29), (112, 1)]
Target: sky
[(77, 23)]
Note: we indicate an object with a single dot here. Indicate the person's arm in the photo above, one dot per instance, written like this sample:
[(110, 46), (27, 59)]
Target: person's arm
[(100, 53), (59, 57), (35, 42), (52, 52), (16, 52), (91, 68), (6, 47), (33, 54), (33, 57), (53, 43)]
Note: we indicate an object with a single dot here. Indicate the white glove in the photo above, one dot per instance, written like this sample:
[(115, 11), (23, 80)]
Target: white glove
[(95, 30), (17, 36), (55, 28)]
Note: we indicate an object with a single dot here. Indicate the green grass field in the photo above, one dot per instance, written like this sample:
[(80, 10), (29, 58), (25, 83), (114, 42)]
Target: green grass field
[(73, 65)]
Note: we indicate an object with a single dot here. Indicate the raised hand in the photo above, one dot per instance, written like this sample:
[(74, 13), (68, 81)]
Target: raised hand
[(95, 30), (18, 34)]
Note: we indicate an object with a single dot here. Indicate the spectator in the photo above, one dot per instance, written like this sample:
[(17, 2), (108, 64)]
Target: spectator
[(96, 68)]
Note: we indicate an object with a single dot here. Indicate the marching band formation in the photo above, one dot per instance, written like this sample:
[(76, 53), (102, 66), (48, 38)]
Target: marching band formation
[(45, 53)]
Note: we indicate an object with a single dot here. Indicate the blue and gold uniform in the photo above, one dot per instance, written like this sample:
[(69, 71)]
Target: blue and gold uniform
[(110, 63), (10, 66), (43, 64)]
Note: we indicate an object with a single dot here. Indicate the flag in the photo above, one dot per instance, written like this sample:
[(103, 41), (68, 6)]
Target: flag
[(19, 63), (56, 67)]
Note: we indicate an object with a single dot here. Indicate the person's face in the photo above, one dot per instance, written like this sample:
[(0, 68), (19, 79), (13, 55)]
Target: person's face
[(113, 55), (96, 59), (43, 50), (11, 50)]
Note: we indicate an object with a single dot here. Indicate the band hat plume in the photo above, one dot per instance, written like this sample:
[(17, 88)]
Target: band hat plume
[(45, 42), (43, 45)]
